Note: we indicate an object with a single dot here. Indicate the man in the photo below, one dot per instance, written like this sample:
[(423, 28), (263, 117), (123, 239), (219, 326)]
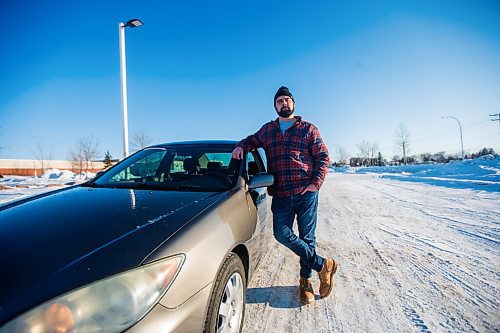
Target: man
[(298, 159)]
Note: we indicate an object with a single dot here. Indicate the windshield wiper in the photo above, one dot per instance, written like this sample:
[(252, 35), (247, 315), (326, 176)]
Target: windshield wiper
[(92, 184)]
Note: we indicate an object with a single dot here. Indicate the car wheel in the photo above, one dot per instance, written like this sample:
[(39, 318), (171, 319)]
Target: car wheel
[(227, 302)]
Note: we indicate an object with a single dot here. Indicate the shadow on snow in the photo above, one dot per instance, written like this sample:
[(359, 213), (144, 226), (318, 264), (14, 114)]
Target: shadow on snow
[(282, 297)]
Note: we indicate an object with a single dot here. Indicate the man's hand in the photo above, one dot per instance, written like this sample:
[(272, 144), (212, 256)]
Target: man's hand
[(309, 188), (238, 153)]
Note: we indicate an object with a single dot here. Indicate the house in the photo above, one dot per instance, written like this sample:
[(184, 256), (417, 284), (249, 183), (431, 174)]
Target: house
[(362, 161)]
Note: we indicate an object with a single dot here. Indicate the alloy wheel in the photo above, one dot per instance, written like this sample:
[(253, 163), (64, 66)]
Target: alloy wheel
[(231, 306)]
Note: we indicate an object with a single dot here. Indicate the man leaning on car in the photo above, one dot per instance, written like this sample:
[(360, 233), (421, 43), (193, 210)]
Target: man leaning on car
[(298, 159)]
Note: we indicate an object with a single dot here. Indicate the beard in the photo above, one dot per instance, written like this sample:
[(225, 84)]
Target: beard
[(285, 112)]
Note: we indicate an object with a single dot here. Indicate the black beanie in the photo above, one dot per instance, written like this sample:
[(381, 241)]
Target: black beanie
[(283, 91)]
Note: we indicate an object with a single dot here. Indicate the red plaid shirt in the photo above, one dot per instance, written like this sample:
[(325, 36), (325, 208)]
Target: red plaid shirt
[(296, 159)]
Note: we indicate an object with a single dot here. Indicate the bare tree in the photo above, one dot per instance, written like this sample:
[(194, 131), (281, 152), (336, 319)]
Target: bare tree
[(41, 154), (368, 150), (342, 155), (86, 151), (402, 140), (373, 150), (140, 140), (77, 159), (90, 148), (364, 149)]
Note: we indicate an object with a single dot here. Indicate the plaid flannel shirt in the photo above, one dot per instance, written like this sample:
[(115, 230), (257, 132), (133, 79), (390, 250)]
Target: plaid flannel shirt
[(296, 159)]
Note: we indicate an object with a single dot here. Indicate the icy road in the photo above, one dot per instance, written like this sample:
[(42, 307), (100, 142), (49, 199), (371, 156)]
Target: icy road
[(413, 258)]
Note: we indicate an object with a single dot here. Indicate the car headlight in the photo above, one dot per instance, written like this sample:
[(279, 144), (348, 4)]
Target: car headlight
[(109, 305)]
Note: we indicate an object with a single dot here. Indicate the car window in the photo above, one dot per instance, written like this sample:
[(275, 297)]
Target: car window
[(251, 165), (184, 167), (178, 163), (142, 169), (264, 159), (254, 164), (224, 159)]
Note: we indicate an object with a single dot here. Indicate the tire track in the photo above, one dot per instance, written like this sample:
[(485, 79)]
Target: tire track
[(404, 264)]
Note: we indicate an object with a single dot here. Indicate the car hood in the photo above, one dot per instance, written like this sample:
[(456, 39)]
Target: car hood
[(55, 243)]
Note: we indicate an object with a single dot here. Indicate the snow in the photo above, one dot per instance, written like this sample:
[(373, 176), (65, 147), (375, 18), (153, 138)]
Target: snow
[(417, 247), (412, 257), (18, 187), (479, 174)]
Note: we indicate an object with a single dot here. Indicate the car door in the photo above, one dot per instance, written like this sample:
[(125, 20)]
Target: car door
[(259, 204)]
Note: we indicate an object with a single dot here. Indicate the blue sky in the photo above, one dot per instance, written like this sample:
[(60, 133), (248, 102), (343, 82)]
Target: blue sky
[(209, 70)]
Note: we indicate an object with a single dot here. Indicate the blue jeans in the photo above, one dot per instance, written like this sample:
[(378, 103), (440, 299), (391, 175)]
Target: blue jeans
[(305, 207)]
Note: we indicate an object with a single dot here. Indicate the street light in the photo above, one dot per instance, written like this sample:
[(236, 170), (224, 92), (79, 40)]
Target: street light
[(461, 139), (134, 23)]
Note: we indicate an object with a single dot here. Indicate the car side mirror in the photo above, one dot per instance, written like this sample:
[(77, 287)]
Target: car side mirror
[(99, 173), (261, 180)]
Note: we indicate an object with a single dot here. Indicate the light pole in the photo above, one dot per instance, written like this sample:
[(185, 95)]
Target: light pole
[(461, 139), (134, 23)]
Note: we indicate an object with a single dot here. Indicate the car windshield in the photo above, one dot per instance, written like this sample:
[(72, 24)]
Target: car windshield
[(179, 168)]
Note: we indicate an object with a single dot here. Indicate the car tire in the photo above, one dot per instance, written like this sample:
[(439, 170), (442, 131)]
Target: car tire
[(226, 309)]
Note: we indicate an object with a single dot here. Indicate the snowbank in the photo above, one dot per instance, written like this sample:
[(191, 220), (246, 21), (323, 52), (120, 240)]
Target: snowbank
[(16, 187), (479, 174), (66, 175)]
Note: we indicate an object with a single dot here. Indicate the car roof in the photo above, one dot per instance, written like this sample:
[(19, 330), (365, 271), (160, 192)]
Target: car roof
[(197, 143)]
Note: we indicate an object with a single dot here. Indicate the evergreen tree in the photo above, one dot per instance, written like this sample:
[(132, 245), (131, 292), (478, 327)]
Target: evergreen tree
[(380, 160), (108, 160)]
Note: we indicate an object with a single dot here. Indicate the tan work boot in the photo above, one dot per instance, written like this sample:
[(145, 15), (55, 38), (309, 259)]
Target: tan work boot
[(306, 291), (326, 277)]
